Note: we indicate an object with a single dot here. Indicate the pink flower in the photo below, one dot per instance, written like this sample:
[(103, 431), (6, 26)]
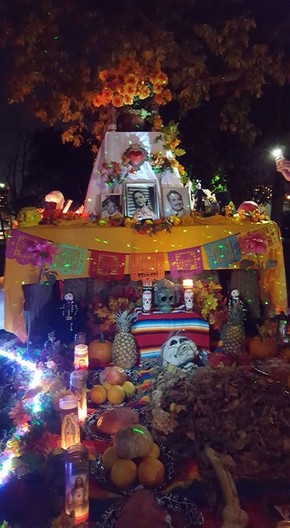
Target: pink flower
[(253, 243), (42, 253), (19, 415)]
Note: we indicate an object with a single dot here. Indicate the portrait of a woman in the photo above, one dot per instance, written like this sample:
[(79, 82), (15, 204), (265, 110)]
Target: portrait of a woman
[(143, 209)]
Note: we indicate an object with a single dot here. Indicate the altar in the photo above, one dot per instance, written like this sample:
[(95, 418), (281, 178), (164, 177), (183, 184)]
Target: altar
[(128, 242)]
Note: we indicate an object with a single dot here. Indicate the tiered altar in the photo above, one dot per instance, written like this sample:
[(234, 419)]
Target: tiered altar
[(188, 406)]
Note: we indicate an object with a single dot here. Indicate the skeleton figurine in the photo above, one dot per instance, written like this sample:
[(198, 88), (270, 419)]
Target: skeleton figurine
[(165, 295), (179, 351)]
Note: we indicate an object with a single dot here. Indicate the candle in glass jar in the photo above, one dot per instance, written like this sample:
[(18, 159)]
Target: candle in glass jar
[(188, 294), (81, 357), (77, 483), (78, 386), (70, 429)]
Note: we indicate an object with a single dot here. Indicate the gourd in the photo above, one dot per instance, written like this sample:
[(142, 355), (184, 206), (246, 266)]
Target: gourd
[(261, 348), (133, 442), (100, 351)]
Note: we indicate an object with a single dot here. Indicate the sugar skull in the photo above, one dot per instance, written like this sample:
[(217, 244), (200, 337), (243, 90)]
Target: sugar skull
[(188, 299), (179, 351), (55, 197), (146, 301)]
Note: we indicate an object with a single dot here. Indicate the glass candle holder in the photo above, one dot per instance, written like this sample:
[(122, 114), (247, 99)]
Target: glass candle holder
[(81, 357), (77, 483), (188, 294), (70, 429), (80, 338), (78, 386), (147, 298)]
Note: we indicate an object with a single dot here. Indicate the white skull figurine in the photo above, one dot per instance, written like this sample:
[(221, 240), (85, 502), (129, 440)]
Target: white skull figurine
[(188, 300), (146, 301), (179, 351)]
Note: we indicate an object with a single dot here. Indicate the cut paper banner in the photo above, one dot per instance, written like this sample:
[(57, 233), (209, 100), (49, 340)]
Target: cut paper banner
[(70, 260), (223, 252), (185, 261), (18, 244), (272, 235), (147, 266), (106, 265)]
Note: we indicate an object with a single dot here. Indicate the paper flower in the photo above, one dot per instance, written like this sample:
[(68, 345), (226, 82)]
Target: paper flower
[(254, 243), (42, 253), (43, 257)]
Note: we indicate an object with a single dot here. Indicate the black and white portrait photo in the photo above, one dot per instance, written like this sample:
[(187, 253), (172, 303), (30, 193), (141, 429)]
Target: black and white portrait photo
[(141, 201), (176, 201), (111, 205)]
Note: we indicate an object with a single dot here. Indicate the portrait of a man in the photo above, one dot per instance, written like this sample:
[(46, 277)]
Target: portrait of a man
[(176, 201), (111, 205)]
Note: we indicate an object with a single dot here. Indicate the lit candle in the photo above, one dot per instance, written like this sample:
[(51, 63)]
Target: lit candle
[(78, 386), (81, 357), (70, 429), (77, 483), (188, 294)]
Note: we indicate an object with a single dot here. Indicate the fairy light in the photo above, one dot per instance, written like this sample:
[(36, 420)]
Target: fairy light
[(6, 458)]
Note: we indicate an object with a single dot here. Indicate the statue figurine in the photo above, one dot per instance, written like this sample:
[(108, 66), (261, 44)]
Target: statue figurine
[(199, 197), (165, 295)]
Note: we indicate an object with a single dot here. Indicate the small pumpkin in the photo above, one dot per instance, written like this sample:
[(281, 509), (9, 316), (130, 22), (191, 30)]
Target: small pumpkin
[(100, 351), (261, 348)]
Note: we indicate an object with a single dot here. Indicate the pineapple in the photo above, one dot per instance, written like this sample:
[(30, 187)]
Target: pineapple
[(124, 350), (233, 333)]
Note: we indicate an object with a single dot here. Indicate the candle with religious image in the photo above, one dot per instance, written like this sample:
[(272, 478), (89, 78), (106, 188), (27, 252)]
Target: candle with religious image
[(147, 300), (188, 294), (77, 483), (78, 386), (70, 429), (81, 357)]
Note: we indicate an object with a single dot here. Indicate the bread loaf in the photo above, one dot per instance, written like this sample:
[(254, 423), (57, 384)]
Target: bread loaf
[(114, 419)]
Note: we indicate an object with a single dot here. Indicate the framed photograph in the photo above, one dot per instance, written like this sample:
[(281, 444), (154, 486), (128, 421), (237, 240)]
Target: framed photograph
[(176, 201), (141, 201), (111, 205)]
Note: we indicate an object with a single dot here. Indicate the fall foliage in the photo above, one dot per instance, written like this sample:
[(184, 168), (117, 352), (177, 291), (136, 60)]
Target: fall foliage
[(209, 52)]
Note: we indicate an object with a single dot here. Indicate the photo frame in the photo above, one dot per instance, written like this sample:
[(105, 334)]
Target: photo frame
[(176, 201), (111, 205), (141, 200)]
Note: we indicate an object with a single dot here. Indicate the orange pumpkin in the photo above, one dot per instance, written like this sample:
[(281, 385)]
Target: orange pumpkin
[(262, 348), (100, 352)]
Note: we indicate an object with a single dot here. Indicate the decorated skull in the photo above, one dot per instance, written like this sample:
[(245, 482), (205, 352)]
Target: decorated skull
[(165, 295), (146, 301), (179, 351), (188, 299)]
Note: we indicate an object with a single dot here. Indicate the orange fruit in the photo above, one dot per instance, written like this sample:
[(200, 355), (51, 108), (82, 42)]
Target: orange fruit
[(151, 472), (124, 473), (98, 394), (116, 394), (154, 451), (109, 457)]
